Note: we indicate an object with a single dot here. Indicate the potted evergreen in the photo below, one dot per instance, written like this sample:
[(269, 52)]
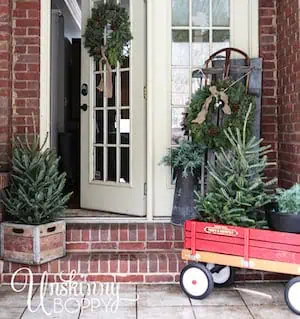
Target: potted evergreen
[(35, 198), (237, 190), (284, 214), (186, 160)]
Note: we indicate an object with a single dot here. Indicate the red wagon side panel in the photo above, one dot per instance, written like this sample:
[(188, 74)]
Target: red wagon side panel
[(243, 242)]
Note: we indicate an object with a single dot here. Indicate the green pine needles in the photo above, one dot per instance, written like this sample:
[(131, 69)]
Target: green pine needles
[(187, 157), (289, 200), (36, 192), (237, 186)]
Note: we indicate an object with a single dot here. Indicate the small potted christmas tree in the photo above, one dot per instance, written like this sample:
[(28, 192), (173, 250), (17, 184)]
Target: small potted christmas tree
[(186, 160), (35, 198)]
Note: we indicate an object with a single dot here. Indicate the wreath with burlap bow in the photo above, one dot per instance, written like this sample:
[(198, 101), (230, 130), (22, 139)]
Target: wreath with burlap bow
[(107, 37), (215, 108)]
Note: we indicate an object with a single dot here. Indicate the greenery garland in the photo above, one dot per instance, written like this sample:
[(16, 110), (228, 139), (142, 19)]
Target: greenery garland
[(113, 20), (209, 133)]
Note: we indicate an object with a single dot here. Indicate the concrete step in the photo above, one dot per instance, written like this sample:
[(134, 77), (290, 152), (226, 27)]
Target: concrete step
[(123, 237)]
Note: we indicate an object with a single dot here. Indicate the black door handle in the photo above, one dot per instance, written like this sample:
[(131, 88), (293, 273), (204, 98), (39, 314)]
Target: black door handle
[(84, 107)]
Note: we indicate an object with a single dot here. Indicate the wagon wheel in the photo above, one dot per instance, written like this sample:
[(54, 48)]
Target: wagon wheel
[(227, 65), (292, 295), (223, 276), (196, 281)]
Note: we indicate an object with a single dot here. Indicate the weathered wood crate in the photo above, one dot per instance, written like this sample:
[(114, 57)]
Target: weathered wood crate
[(33, 245), (242, 247)]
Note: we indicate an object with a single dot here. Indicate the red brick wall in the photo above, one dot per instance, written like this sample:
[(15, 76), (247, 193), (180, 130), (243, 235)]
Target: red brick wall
[(268, 49), (288, 92), (26, 65), (5, 81), (19, 71)]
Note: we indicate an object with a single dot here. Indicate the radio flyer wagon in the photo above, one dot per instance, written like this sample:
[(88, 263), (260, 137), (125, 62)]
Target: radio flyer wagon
[(217, 249)]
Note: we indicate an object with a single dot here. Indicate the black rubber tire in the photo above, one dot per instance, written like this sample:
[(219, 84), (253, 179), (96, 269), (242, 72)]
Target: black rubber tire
[(229, 281), (208, 275), (286, 295)]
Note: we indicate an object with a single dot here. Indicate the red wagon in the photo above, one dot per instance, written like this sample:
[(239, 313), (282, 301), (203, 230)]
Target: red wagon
[(217, 249)]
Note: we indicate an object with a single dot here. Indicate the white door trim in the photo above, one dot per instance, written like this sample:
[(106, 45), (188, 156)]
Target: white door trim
[(45, 61)]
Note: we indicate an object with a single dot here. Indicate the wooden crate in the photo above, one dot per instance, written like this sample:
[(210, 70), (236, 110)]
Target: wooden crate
[(33, 245), (242, 247)]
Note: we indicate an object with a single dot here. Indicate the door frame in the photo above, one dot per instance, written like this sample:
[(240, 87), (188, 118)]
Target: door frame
[(45, 62)]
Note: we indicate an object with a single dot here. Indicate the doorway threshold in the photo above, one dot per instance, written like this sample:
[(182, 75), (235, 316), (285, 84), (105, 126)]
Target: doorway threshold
[(90, 216)]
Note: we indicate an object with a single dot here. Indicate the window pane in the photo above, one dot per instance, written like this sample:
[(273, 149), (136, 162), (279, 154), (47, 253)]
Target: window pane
[(178, 114), (99, 127), (99, 95), (99, 163), (220, 13), (180, 12), (200, 13), (221, 39), (111, 127), (125, 80), (180, 48), (111, 164), (125, 126), (180, 86), (200, 47), (112, 101), (125, 160)]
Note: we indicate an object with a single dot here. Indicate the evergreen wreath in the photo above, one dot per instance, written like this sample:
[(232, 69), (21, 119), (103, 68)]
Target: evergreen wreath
[(112, 20), (209, 133)]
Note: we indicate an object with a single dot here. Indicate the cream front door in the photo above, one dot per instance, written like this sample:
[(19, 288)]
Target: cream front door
[(113, 131)]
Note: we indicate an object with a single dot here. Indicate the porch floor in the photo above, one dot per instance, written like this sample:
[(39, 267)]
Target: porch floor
[(241, 301)]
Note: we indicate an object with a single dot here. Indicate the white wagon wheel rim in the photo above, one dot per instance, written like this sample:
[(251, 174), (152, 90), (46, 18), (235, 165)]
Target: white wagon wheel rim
[(294, 296), (222, 276), (195, 281)]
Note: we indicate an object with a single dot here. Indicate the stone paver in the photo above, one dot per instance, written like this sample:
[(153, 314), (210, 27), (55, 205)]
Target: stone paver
[(242, 301)]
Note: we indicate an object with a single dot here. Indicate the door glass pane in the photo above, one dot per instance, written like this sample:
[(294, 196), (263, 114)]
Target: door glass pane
[(125, 126), (111, 164), (180, 12), (99, 163), (125, 160), (112, 101), (125, 4), (125, 78), (99, 95), (180, 47), (200, 47), (221, 39), (178, 114), (200, 13), (220, 10), (99, 127), (180, 86), (111, 127)]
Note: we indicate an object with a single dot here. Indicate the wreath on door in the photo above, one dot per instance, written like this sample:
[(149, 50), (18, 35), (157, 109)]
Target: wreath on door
[(217, 107), (107, 37)]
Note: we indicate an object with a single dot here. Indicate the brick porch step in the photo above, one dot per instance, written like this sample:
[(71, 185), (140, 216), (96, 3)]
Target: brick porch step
[(134, 267), (123, 237)]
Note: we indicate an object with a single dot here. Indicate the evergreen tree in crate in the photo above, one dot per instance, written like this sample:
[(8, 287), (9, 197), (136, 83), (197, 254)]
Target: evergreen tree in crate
[(36, 193), (237, 186)]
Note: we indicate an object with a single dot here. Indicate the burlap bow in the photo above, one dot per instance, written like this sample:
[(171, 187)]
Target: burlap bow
[(219, 95), (108, 88)]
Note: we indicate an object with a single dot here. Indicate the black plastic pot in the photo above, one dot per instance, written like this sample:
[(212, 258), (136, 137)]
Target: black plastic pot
[(284, 222), (184, 199)]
